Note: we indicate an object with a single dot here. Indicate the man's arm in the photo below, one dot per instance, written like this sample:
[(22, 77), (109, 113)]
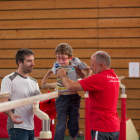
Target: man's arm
[(10, 114), (69, 84), (6, 86)]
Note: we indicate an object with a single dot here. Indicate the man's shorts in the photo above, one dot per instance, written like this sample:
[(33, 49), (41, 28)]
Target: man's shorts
[(96, 135)]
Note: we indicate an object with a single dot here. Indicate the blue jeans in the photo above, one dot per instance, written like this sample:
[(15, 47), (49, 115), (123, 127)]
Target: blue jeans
[(20, 134)]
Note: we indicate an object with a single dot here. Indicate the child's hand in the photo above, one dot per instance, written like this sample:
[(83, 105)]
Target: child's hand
[(43, 82), (44, 86), (89, 73), (78, 70), (80, 73)]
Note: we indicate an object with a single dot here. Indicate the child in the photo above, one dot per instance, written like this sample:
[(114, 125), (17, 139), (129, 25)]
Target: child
[(66, 104)]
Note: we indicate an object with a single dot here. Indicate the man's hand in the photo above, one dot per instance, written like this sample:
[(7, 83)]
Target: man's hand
[(61, 72), (14, 119)]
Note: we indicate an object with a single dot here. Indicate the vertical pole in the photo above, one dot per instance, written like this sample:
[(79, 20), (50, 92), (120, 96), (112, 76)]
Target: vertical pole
[(123, 115), (52, 128), (87, 119), (123, 111)]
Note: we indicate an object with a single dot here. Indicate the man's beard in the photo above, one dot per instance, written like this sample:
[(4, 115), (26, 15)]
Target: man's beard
[(27, 70)]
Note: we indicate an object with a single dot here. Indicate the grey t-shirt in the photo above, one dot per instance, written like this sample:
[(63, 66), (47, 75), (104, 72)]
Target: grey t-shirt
[(70, 71), (20, 87)]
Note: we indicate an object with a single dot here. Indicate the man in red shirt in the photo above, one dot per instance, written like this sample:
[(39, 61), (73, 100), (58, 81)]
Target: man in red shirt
[(103, 89)]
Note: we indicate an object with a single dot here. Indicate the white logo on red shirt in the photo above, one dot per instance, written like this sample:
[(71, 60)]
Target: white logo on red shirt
[(113, 79)]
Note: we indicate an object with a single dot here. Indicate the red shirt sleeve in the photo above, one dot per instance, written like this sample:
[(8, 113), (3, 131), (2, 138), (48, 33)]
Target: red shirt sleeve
[(91, 83)]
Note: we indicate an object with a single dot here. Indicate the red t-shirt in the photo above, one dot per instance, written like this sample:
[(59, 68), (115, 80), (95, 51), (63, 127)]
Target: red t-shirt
[(103, 98)]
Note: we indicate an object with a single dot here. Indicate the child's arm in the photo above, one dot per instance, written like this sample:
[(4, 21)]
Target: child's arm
[(49, 73), (81, 66), (49, 85), (80, 73), (88, 71), (45, 85)]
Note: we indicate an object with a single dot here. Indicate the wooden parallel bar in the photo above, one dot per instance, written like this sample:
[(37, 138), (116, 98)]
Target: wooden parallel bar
[(84, 53), (47, 63), (49, 4), (119, 22), (119, 12), (48, 43), (49, 14), (50, 33), (46, 24), (119, 3), (119, 43)]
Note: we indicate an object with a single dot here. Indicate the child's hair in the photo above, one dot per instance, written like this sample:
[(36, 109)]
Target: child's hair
[(64, 48)]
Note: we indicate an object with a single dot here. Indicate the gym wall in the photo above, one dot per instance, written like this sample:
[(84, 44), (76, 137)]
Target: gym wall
[(87, 25)]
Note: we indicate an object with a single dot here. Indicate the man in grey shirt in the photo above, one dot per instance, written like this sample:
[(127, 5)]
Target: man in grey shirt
[(20, 122)]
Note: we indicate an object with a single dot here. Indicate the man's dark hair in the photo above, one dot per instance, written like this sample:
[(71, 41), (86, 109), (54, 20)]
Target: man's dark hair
[(20, 54)]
